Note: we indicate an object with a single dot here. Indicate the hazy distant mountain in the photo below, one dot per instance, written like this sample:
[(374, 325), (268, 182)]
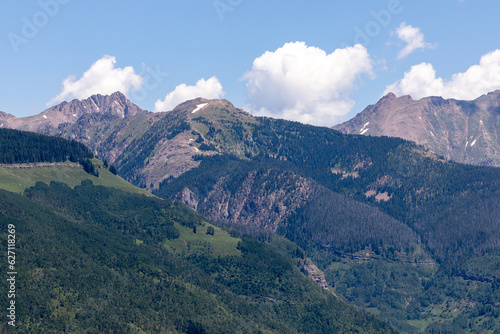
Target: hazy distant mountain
[(463, 131)]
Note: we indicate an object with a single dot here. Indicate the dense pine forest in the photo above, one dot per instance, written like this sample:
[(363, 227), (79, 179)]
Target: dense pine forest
[(91, 261), (22, 147)]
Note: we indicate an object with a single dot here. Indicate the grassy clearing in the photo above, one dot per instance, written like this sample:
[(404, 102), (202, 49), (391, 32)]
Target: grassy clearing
[(219, 244), (420, 324), (16, 180)]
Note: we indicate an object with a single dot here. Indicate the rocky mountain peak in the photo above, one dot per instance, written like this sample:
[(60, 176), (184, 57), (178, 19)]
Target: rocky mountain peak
[(492, 98), (389, 96), (4, 118), (195, 105), (464, 131), (389, 101), (78, 118), (218, 112), (190, 105), (4, 115), (115, 104)]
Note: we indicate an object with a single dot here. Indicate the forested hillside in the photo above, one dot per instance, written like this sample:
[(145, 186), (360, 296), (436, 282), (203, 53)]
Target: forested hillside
[(91, 260), (418, 187), (21, 147), (423, 224)]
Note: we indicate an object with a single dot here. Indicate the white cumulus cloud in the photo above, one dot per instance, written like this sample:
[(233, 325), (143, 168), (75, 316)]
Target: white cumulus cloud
[(209, 89), (304, 83), (101, 78), (413, 38), (421, 81)]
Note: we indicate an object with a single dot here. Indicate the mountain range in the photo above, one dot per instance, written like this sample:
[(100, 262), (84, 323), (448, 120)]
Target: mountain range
[(394, 226), (115, 128), (462, 131)]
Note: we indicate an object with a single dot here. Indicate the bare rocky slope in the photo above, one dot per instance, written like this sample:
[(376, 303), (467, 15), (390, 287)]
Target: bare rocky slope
[(463, 131)]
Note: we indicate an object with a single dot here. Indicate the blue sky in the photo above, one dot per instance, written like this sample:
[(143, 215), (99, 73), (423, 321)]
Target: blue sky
[(318, 62)]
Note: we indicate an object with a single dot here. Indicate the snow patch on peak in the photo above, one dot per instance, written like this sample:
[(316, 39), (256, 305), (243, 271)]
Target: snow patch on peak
[(45, 116), (198, 107), (364, 129)]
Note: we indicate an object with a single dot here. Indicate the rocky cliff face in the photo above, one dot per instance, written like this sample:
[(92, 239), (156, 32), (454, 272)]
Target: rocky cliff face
[(315, 273), (256, 202), (463, 131)]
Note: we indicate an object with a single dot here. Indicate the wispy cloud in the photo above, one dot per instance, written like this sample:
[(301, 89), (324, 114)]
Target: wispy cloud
[(413, 38), (305, 84), (479, 79), (101, 78)]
